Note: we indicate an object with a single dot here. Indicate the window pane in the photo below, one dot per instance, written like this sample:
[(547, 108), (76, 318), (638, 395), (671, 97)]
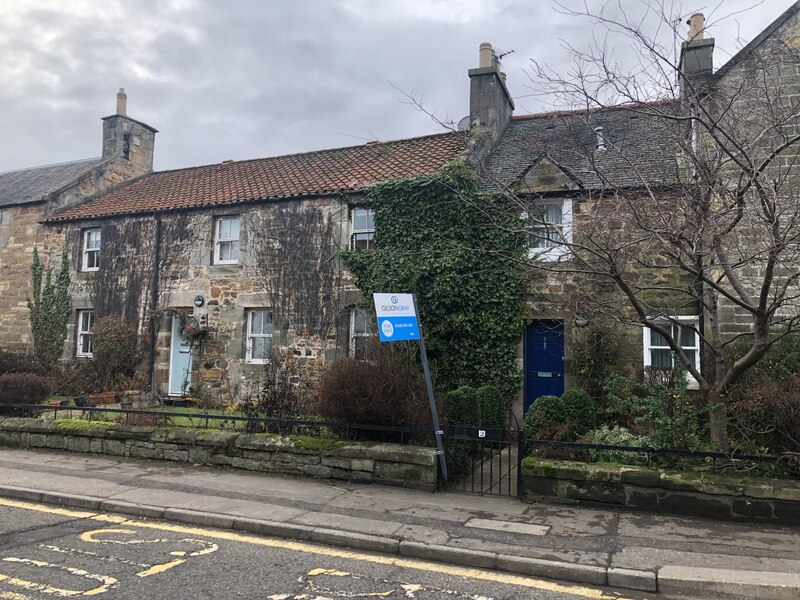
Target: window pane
[(359, 322), (688, 337), (259, 348), (656, 339), (93, 239), (661, 358), (261, 322), (363, 241), (363, 219), (690, 354), (234, 250), (86, 344), (233, 226), (553, 214), (256, 321), (224, 229)]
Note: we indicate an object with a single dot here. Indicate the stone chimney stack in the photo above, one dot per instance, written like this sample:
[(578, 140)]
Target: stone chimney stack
[(122, 102), (490, 104), (697, 56), (128, 141)]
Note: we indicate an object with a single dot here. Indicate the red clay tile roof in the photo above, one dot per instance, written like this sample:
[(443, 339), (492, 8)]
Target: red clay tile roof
[(307, 174)]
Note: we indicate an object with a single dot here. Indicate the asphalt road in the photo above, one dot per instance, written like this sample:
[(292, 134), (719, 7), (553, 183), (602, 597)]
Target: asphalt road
[(47, 552)]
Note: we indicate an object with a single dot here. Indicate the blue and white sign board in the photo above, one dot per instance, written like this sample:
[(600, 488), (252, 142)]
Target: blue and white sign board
[(397, 318)]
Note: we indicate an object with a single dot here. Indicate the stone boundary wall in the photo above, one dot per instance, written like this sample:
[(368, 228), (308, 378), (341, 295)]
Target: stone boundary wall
[(385, 464), (677, 492)]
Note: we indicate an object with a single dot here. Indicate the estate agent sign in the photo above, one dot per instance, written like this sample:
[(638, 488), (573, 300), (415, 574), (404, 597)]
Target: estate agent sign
[(397, 322), (397, 317)]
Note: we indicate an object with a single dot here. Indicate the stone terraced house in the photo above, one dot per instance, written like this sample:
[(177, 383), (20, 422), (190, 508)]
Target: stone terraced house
[(243, 255), (247, 253)]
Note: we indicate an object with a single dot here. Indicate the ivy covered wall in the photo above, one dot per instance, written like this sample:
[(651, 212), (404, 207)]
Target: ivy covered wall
[(462, 253)]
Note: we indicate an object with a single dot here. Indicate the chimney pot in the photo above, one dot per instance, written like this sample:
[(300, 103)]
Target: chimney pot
[(485, 55), (122, 102), (697, 26)]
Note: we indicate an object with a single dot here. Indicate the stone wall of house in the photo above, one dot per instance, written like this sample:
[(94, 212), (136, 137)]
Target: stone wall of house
[(759, 96), (20, 231), (265, 277), (385, 464)]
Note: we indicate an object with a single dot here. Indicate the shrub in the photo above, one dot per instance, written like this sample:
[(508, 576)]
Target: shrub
[(659, 408), (478, 407), (77, 377), (564, 418), (388, 391), (115, 349), (18, 362), (765, 413), (617, 436), (23, 388)]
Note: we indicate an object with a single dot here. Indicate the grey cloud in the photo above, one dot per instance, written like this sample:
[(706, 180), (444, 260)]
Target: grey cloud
[(248, 79)]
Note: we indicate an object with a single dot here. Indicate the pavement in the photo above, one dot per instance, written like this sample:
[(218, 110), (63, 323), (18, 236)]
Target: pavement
[(678, 557)]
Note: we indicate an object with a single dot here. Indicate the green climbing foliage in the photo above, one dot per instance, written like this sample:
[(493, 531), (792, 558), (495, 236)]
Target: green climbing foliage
[(49, 308), (462, 253)]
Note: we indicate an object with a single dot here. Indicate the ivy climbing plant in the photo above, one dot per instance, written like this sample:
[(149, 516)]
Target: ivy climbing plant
[(49, 308), (461, 252)]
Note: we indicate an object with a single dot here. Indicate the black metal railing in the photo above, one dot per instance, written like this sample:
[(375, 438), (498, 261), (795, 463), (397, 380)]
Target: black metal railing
[(785, 465)]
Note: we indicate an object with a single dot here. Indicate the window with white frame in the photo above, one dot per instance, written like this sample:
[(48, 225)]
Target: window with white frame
[(657, 352), (83, 337), (361, 333), (363, 229), (226, 241), (549, 224), (91, 249), (259, 335)]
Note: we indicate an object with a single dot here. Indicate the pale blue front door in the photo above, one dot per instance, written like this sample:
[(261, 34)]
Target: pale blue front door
[(180, 361)]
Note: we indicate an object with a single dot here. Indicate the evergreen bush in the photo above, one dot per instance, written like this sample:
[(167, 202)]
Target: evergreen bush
[(563, 418), (477, 407), (617, 436)]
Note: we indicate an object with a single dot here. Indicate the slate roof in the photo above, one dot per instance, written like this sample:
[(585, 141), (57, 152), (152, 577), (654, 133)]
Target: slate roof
[(295, 175), (33, 185), (639, 145)]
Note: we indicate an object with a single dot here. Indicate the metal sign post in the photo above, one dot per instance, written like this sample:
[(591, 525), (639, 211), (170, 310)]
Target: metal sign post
[(397, 321)]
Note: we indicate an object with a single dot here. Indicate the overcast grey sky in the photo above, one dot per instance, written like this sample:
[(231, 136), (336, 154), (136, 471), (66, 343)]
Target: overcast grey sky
[(241, 79)]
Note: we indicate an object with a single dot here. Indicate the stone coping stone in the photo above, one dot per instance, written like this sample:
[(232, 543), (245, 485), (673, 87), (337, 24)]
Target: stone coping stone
[(219, 439), (559, 469), (711, 484)]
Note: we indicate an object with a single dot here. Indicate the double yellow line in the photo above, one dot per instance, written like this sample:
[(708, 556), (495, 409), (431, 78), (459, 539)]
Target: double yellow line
[(406, 563)]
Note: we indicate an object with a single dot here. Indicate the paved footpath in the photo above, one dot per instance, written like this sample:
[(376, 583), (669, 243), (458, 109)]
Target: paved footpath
[(679, 557)]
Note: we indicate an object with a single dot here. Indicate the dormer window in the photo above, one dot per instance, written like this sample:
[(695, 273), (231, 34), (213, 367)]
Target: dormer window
[(91, 249), (363, 229), (549, 224), (226, 241)]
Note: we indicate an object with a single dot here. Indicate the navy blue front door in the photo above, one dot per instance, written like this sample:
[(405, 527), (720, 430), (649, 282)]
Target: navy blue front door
[(544, 360)]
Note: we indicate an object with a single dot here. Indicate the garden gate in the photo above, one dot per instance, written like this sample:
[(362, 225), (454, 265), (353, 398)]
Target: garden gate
[(484, 461)]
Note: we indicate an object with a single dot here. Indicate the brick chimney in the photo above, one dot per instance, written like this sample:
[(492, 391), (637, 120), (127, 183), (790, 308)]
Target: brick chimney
[(490, 104), (128, 140), (697, 55)]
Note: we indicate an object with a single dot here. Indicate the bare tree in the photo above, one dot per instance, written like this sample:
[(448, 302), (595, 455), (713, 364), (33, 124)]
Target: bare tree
[(688, 197)]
